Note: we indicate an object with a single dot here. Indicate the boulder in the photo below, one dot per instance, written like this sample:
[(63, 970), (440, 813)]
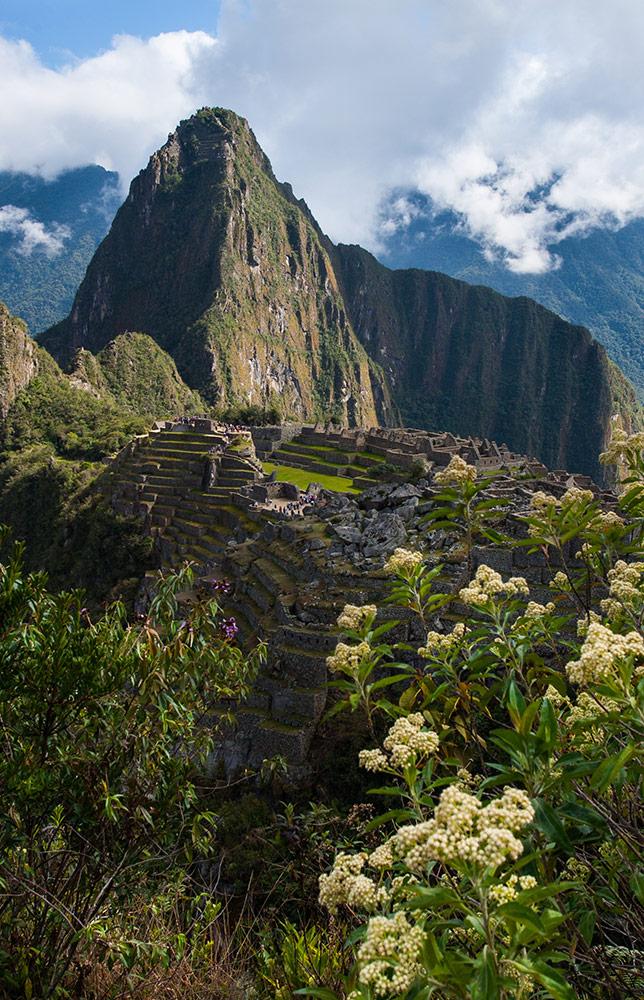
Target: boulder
[(383, 535)]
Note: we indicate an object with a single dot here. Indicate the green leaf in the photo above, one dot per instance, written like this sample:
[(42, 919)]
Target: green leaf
[(521, 913), (486, 984), (549, 978), (586, 926), (317, 991), (547, 821), (547, 731), (608, 771), (516, 703), (432, 898)]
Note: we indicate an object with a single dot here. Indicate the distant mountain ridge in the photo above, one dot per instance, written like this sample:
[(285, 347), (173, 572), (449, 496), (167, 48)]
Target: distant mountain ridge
[(74, 213), (599, 283), (230, 274)]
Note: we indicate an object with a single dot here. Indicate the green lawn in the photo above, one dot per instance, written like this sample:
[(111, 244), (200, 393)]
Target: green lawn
[(303, 478)]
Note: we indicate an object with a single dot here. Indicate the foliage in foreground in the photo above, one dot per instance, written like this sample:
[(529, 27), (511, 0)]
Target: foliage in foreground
[(106, 727), (508, 863)]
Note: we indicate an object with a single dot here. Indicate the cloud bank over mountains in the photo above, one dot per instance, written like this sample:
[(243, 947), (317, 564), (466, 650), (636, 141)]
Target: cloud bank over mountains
[(30, 234), (525, 119)]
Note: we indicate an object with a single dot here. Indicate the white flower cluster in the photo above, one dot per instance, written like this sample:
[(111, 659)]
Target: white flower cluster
[(403, 561), (543, 503), (536, 610), (608, 519), (627, 581), (382, 856), (587, 717), (626, 589), (560, 581), (600, 653), (389, 955), (373, 760), (487, 583), (436, 642), (464, 831), (555, 697), (620, 445), (576, 495), (407, 739), (347, 885), (505, 892), (467, 778), (457, 473), (354, 616), (347, 659), (584, 623)]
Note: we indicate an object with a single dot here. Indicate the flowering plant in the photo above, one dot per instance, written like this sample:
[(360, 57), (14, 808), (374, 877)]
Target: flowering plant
[(509, 863)]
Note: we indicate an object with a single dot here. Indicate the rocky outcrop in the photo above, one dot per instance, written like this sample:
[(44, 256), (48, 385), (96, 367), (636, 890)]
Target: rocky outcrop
[(465, 358), (18, 360), (221, 266)]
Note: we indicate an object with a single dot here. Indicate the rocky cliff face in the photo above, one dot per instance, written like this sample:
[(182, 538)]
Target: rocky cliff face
[(230, 274), (18, 360), (465, 358), (218, 263)]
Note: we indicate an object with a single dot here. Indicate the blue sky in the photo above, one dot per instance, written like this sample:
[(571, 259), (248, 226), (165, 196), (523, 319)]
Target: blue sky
[(477, 104), (82, 28)]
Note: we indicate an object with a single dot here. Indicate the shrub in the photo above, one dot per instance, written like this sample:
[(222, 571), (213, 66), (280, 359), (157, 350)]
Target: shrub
[(104, 738), (508, 862)]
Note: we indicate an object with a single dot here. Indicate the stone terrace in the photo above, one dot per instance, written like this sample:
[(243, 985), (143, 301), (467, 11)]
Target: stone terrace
[(199, 489)]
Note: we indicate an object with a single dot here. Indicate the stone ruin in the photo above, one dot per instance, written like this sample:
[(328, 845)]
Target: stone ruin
[(293, 561)]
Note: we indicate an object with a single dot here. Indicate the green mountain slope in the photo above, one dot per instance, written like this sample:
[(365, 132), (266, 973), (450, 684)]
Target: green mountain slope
[(599, 282), (211, 257), (39, 282), (466, 358)]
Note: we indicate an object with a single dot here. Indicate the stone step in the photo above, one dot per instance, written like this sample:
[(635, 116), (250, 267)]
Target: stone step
[(168, 479), (235, 477), (273, 577), (315, 642), (277, 738), (187, 538), (254, 587), (204, 555), (330, 456), (176, 446), (174, 463), (229, 461), (189, 435), (190, 512), (295, 705), (300, 666), (310, 465), (253, 612)]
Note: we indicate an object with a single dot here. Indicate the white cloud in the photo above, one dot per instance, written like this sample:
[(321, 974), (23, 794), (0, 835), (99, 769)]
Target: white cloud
[(524, 116), (112, 109), (32, 234)]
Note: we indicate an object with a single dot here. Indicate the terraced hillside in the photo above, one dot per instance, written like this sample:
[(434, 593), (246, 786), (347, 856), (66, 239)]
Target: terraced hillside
[(201, 491), (344, 462), (166, 478)]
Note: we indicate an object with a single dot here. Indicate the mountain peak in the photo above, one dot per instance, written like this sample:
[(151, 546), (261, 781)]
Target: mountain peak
[(230, 274)]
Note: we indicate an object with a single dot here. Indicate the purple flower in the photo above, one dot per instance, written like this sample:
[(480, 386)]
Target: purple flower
[(229, 628)]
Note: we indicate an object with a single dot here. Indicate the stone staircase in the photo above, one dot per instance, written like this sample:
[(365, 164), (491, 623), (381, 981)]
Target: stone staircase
[(286, 595), (161, 479)]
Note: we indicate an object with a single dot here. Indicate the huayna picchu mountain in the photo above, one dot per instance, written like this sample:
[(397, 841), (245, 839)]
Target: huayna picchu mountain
[(227, 271)]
